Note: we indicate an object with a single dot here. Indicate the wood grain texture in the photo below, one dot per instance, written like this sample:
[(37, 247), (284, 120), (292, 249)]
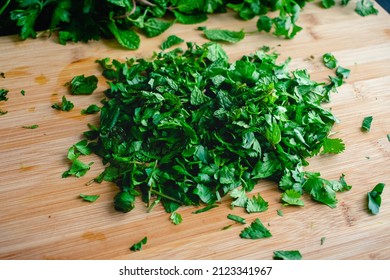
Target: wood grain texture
[(41, 216)]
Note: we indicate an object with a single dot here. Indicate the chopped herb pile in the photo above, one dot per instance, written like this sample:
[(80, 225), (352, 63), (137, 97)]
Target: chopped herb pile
[(189, 127), (76, 20)]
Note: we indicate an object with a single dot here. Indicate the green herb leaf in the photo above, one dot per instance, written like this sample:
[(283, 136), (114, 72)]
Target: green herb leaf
[(279, 212), (34, 126), (329, 60), (256, 204), (91, 109), (66, 105), (78, 169), (224, 35), (126, 38), (255, 231), (124, 201), (342, 72), (365, 8), (375, 198), (176, 218), (287, 255), (138, 246), (89, 198), (205, 209), (81, 85), (333, 146), (292, 197), (236, 218), (328, 3), (3, 94), (366, 124), (171, 41)]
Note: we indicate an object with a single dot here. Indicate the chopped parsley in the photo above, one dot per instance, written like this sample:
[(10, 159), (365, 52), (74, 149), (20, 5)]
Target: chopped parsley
[(255, 231), (374, 198), (287, 255), (66, 105), (89, 198), (138, 246), (366, 124)]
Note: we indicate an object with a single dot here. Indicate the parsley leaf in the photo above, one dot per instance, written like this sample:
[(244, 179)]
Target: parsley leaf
[(287, 255), (138, 246), (78, 169), (329, 60), (176, 218), (34, 126), (292, 197), (342, 72), (333, 146), (255, 231), (236, 218), (89, 198), (66, 105), (328, 3), (365, 8), (256, 204), (3, 94), (81, 85), (374, 198), (91, 109), (366, 124)]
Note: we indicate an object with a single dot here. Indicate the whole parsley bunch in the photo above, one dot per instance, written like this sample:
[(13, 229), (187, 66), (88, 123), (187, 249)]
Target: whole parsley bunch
[(84, 20), (189, 127)]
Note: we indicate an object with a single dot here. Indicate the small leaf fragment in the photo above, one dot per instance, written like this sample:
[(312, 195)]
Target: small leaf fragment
[(138, 246), (287, 255)]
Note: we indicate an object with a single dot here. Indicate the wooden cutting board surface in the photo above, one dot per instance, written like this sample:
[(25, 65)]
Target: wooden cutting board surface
[(41, 216)]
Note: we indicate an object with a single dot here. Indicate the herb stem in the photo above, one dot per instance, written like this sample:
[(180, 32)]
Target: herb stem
[(166, 196)]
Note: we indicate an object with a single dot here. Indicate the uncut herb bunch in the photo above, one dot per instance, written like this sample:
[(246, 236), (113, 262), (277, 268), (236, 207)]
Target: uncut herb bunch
[(188, 127)]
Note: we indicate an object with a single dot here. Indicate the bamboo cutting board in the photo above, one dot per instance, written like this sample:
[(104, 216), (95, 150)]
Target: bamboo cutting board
[(41, 216)]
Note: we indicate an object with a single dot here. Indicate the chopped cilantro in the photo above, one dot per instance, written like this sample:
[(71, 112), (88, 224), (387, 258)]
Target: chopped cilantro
[(366, 124), (256, 204), (279, 212), (176, 218), (236, 218), (292, 197), (287, 255), (333, 146), (255, 231), (83, 85), (91, 109), (138, 246), (342, 72), (375, 198), (23, 92), (66, 105), (89, 198), (329, 60), (3, 94), (34, 126), (365, 8), (205, 209)]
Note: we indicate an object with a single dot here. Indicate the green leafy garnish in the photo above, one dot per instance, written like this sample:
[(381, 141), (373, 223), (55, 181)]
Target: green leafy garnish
[(81, 85), (255, 231), (91, 109), (342, 72), (375, 198), (322, 241), (189, 127), (78, 169), (171, 41), (366, 124), (328, 3), (287, 255), (329, 60), (205, 209), (256, 204), (138, 246), (333, 146), (279, 212), (224, 35), (3, 94), (66, 105), (34, 126), (89, 198), (23, 92), (236, 218), (176, 218), (365, 8)]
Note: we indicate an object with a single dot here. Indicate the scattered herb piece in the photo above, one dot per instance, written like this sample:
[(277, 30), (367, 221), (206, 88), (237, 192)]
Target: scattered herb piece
[(388, 137), (342, 72), (3, 94), (3, 112), (236, 218), (292, 197), (34, 126), (224, 35), (323, 240), (81, 85), (328, 3), (78, 169), (365, 8), (280, 213), (2, 75), (227, 227), (176, 218), (89, 198), (138, 246), (23, 92), (333, 146), (205, 209), (171, 41), (256, 204), (255, 231), (66, 105), (329, 60), (91, 109), (287, 255), (375, 199), (366, 124), (124, 201)]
